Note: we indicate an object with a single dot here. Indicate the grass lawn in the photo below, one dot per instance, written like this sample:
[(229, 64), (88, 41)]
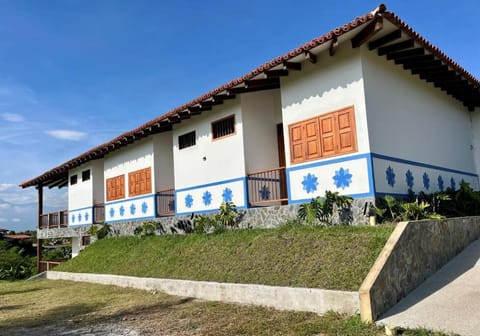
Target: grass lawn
[(336, 257), (53, 307)]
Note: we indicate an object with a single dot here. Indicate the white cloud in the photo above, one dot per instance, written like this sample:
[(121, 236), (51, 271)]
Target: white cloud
[(4, 206), (12, 117), (2, 220), (67, 135), (16, 220)]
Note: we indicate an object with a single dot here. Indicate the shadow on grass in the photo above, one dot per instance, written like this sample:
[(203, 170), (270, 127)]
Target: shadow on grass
[(22, 291), (11, 307)]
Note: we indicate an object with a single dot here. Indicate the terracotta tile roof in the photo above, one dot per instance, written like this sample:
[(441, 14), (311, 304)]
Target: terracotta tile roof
[(17, 236), (61, 171)]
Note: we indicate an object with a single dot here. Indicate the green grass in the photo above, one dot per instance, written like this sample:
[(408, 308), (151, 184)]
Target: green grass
[(332, 258), (56, 307)]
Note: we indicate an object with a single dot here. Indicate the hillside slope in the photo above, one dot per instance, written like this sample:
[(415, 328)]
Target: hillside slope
[(299, 256)]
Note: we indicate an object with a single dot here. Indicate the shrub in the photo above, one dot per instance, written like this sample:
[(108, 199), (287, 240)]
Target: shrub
[(148, 228), (321, 208), (227, 216), (100, 231)]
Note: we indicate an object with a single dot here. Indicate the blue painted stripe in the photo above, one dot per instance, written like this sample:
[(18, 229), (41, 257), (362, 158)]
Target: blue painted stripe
[(306, 200), (329, 162), (420, 164), (205, 211), (80, 209), (130, 219), (130, 199), (210, 184)]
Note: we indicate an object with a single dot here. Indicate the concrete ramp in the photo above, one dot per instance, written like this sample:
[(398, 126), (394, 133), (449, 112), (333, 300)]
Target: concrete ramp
[(448, 301)]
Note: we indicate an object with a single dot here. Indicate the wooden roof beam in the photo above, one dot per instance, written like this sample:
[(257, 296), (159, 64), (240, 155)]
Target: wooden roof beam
[(390, 37), (224, 97), (333, 46), (425, 59), (405, 53), (422, 63), (276, 73), (407, 44), (261, 82), (310, 57), (430, 69), (368, 32), (254, 89), (292, 66)]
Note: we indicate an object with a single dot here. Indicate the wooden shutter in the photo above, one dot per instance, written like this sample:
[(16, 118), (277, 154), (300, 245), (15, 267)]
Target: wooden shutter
[(328, 134), (140, 182), (346, 131), (115, 188)]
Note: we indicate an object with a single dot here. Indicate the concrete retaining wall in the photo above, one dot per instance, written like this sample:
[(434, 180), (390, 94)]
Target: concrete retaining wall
[(414, 251), (288, 298)]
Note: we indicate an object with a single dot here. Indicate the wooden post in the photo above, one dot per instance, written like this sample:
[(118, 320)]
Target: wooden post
[(40, 213)]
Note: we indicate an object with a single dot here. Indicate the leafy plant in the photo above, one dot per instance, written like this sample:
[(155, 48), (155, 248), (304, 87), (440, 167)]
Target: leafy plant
[(100, 231), (148, 228), (321, 208), (226, 217)]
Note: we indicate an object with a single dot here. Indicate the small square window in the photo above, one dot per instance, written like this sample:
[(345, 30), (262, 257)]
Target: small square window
[(73, 179), (86, 175), (223, 127), (187, 140), (85, 240)]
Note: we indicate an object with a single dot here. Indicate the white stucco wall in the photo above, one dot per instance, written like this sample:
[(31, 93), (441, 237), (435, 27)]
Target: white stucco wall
[(416, 129), (80, 195), (475, 118), (211, 168), (259, 111), (330, 84), (163, 161), (133, 157)]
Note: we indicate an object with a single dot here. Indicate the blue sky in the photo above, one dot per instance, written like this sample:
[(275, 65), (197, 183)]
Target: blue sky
[(76, 73)]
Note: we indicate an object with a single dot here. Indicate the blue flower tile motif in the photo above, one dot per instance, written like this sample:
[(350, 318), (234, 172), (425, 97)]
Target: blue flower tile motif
[(144, 207), (122, 210), (188, 201), (453, 185), (171, 206), (264, 193), (342, 178), (79, 217), (73, 218), (409, 179), (390, 176), (441, 184), (426, 180), (112, 212), (86, 216), (132, 209), (227, 195), (310, 183), (207, 198)]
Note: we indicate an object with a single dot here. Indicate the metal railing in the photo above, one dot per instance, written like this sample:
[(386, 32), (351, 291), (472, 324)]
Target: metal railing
[(267, 186), (47, 265), (166, 202)]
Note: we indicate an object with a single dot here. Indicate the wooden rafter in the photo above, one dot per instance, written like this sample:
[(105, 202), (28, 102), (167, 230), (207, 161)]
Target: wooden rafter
[(254, 89), (422, 63), (415, 59), (292, 66), (429, 69), (395, 47), (390, 37), (261, 82), (368, 32), (405, 53), (276, 73), (333, 46), (310, 57), (224, 97)]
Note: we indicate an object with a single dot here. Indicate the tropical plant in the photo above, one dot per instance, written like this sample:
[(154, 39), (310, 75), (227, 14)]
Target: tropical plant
[(321, 208), (100, 231), (227, 216), (148, 228)]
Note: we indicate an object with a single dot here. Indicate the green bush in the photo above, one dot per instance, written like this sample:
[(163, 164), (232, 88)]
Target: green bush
[(320, 209), (15, 266), (227, 216), (100, 231), (148, 228)]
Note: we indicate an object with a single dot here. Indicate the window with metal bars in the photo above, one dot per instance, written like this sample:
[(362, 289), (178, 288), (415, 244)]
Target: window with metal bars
[(187, 140), (223, 127)]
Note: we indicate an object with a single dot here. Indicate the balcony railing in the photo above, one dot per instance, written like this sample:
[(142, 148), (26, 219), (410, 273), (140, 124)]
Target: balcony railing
[(47, 265), (166, 202), (54, 220), (59, 219), (267, 186), (98, 213)]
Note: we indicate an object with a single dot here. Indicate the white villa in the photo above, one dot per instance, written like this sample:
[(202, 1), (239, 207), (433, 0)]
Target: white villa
[(368, 109)]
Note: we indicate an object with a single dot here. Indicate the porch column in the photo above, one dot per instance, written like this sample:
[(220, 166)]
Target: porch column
[(40, 213)]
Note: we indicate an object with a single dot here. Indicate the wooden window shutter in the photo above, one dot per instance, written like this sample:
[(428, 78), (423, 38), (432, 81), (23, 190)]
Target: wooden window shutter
[(140, 182), (115, 188), (297, 143), (328, 134), (312, 144), (346, 131)]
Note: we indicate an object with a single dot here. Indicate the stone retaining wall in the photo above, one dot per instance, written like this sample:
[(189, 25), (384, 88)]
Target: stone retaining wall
[(261, 217), (414, 251), (288, 298)]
